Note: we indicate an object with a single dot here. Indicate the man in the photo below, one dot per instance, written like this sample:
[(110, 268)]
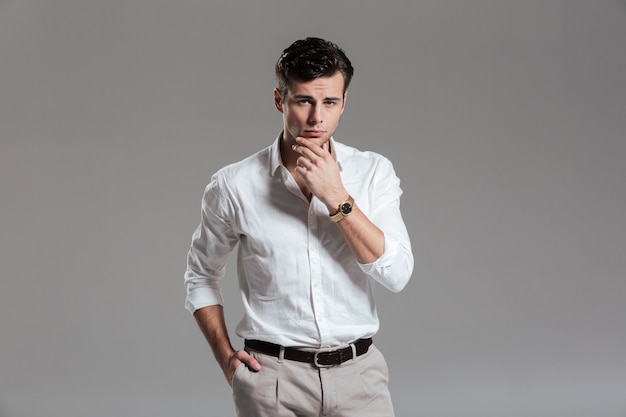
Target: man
[(318, 223)]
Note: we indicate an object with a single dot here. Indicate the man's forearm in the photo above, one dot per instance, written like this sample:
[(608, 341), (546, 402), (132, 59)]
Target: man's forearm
[(365, 240), (211, 322)]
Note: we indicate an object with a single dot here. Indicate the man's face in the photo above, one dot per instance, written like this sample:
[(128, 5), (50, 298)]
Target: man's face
[(311, 109)]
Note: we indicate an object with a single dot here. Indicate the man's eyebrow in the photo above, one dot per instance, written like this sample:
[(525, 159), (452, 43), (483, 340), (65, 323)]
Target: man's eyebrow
[(304, 96)]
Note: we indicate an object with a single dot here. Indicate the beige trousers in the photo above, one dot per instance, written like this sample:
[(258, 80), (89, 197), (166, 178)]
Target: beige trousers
[(357, 387)]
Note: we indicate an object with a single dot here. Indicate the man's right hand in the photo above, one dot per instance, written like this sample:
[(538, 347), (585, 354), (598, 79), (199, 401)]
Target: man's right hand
[(211, 321), (233, 362)]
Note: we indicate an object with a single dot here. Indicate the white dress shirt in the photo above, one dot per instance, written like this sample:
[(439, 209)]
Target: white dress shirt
[(299, 281)]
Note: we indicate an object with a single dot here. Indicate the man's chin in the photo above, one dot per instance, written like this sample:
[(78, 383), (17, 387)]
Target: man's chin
[(318, 140)]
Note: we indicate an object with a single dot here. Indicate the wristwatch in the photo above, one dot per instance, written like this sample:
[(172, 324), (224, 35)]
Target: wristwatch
[(345, 209)]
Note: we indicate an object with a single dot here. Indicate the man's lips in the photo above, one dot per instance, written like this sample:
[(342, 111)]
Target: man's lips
[(314, 133)]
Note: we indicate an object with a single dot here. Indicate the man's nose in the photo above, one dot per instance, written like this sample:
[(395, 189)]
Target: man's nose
[(316, 115)]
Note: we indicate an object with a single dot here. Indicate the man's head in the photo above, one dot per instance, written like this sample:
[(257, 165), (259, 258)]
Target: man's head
[(311, 58)]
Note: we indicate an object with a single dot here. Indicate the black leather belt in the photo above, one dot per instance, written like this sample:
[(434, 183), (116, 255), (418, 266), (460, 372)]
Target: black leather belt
[(319, 358)]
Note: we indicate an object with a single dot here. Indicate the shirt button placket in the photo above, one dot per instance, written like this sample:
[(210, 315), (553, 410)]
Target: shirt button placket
[(316, 272)]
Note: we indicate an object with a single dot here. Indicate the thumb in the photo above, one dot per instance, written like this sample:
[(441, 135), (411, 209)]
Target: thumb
[(249, 360)]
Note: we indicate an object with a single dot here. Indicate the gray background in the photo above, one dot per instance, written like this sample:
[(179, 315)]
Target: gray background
[(504, 119)]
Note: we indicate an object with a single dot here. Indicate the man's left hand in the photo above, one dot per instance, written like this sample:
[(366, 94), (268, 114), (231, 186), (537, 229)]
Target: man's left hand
[(320, 172)]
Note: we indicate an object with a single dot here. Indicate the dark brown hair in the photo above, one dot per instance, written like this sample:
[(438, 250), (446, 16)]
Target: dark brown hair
[(311, 58)]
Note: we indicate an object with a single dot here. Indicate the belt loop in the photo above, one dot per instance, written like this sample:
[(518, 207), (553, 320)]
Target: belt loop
[(353, 347), (281, 354)]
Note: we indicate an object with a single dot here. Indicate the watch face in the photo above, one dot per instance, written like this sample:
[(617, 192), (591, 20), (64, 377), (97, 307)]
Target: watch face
[(346, 208)]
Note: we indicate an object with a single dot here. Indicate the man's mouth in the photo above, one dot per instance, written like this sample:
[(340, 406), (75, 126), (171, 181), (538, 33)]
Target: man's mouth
[(314, 133)]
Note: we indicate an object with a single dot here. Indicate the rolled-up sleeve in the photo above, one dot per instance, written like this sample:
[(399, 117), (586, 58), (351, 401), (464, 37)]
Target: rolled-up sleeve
[(394, 267), (211, 243)]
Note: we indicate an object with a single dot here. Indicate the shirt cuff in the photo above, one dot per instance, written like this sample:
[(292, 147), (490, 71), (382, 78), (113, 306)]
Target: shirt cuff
[(384, 260), (394, 267), (202, 297)]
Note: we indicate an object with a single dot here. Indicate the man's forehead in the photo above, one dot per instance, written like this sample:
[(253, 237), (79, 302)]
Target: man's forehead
[(330, 85)]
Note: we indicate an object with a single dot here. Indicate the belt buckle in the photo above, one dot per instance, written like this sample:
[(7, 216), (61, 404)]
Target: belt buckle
[(316, 359)]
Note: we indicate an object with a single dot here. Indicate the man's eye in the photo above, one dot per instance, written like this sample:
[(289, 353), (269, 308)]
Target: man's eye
[(330, 103), (303, 101)]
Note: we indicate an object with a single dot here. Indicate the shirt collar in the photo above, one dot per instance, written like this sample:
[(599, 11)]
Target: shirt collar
[(275, 161)]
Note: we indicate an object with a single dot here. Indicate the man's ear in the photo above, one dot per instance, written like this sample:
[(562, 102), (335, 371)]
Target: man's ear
[(278, 100), (345, 97)]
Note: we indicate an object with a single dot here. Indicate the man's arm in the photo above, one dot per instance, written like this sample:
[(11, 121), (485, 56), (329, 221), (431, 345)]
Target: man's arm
[(211, 244), (382, 249), (211, 322), (365, 240), (319, 170)]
